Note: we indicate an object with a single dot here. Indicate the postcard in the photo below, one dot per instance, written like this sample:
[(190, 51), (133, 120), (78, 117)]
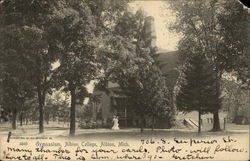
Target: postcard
[(148, 80)]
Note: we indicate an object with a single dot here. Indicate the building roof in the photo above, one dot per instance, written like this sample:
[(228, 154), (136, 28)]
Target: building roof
[(169, 63)]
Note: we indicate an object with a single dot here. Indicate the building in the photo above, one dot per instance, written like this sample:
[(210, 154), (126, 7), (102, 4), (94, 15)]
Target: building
[(114, 102)]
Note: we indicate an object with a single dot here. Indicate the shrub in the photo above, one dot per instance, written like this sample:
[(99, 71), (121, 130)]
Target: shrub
[(94, 125)]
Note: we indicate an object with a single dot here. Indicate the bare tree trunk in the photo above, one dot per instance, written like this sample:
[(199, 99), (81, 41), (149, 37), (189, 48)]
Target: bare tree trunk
[(26, 120), (21, 118), (47, 117), (199, 121), (72, 111), (153, 122), (216, 123), (14, 114), (142, 122), (41, 110)]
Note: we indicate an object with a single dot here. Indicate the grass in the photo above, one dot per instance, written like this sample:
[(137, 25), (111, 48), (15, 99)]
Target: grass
[(60, 131)]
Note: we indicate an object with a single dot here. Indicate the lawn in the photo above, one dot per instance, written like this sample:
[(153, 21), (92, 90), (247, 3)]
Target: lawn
[(61, 131), (93, 139)]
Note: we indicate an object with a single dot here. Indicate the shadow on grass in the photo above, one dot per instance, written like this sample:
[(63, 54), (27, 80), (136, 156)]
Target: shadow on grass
[(135, 135), (56, 128)]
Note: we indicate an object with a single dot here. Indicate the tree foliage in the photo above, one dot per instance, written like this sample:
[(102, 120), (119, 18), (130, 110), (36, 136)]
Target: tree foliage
[(77, 58), (32, 21), (212, 28), (57, 106), (83, 30), (198, 87), (133, 65), (215, 28)]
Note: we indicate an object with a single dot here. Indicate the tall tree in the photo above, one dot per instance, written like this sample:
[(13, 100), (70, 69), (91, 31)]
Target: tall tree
[(131, 59), (78, 62), (86, 27), (34, 19), (203, 30), (197, 87), (134, 66), (155, 97), (234, 20), (16, 85)]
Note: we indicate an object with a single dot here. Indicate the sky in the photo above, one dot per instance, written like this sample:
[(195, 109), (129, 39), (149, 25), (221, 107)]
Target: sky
[(163, 18)]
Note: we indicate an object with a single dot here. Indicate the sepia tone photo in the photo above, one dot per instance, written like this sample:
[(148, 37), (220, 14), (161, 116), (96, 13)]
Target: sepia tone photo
[(124, 80)]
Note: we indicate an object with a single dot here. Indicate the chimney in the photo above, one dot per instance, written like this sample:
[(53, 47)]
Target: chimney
[(149, 31)]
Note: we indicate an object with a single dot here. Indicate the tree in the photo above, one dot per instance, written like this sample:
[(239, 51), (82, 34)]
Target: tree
[(33, 20), (130, 58), (86, 27), (78, 62), (235, 102), (197, 87), (16, 85), (234, 20), (14, 97), (156, 97), (204, 31), (57, 106), (135, 69), (29, 108)]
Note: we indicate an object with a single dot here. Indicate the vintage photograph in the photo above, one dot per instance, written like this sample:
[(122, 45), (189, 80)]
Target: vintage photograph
[(124, 79)]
